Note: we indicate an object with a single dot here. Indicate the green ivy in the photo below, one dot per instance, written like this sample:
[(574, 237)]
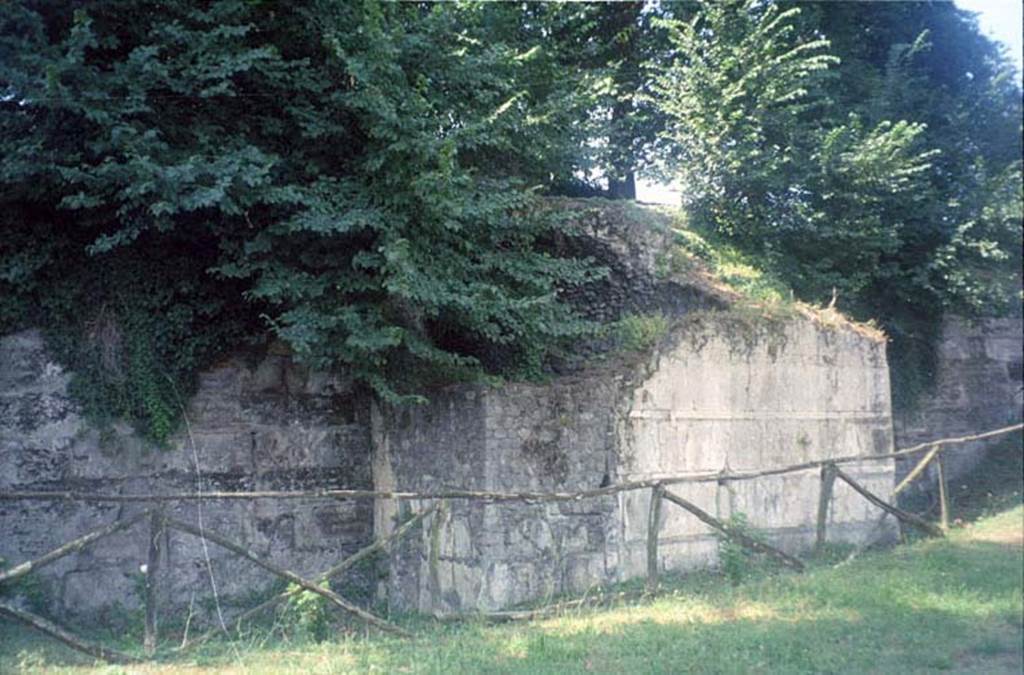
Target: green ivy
[(737, 562), (355, 179), (307, 614), (134, 332), (639, 332)]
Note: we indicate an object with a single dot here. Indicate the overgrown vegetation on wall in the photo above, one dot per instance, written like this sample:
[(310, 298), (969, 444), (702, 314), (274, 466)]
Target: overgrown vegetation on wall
[(176, 178), (358, 179)]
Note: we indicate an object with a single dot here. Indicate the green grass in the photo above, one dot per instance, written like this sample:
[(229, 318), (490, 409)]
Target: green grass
[(953, 604)]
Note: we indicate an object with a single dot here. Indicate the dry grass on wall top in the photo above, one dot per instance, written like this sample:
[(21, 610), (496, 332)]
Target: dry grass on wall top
[(752, 292)]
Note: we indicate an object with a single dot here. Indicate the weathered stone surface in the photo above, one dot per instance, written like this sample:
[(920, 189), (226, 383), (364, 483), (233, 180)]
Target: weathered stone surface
[(267, 427), (785, 392), (722, 391), (979, 385)]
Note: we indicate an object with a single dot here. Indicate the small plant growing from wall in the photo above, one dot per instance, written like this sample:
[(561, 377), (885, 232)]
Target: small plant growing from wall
[(640, 332)]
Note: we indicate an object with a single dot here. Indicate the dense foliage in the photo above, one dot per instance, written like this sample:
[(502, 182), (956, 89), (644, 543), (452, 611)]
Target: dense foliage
[(353, 176), (359, 179), (868, 152)]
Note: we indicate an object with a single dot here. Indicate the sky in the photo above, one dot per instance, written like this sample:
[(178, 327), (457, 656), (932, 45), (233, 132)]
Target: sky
[(1000, 20)]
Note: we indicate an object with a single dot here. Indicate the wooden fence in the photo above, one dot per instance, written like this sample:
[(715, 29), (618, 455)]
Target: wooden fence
[(660, 488)]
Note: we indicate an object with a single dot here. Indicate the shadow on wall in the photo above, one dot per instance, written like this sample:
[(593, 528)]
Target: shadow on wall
[(979, 385)]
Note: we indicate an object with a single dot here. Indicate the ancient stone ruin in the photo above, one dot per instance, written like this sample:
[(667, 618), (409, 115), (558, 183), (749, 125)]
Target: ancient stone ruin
[(717, 395), (724, 389)]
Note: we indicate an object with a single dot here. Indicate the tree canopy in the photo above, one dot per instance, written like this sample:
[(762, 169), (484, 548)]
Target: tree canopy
[(360, 179), (869, 151)]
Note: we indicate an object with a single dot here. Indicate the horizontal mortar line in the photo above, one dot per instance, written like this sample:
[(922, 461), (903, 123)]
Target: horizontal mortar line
[(228, 428), (499, 496), (672, 415)]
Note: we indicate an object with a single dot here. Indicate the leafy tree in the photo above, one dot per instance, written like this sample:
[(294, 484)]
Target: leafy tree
[(359, 178), (599, 60), (858, 167), (350, 175)]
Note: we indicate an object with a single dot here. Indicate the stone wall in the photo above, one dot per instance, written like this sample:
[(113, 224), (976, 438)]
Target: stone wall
[(979, 385), (265, 426), (741, 395), (724, 391), (521, 437)]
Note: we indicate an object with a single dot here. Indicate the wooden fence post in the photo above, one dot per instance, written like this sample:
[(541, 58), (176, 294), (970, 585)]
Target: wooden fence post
[(828, 480), (156, 528), (943, 496), (653, 526)]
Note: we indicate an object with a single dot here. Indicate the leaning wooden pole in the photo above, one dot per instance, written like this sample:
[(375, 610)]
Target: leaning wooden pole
[(916, 471), (900, 487), (919, 523), (943, 496), (653, 526), (71, 640), (156, 530), (70, 547), (325, 576), (738, 536), (289, 576), (828, 480)]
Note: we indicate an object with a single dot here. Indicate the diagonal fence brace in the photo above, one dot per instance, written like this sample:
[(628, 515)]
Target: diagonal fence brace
[(53, 630), (326, 575), (732, 533), (919, 523), (289, 575), (78, 544)]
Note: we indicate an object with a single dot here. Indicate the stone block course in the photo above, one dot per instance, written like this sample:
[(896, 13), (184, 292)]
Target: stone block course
[(248, 435)]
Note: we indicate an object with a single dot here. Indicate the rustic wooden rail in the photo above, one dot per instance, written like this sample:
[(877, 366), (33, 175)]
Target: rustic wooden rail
[(325, 576), (829, 471), (485, 495), (288, 575)]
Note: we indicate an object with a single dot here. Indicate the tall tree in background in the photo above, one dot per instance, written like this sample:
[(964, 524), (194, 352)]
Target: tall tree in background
[(359, 178), (928, 61), (607, 55), (878, 166)]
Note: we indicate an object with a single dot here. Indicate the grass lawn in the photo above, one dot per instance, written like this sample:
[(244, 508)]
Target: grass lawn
[(953, 604)]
